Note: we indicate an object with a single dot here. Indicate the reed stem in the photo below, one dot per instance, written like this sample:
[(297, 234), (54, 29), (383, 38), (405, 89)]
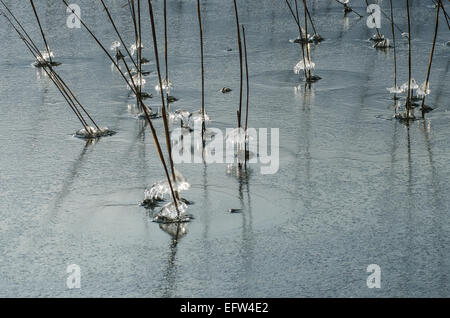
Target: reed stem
[(446, 16), (430, 61), (118, 34), (42, 32), (408, 96), (297, 21), (240, 62), (248, 94), (202, 70), (166, 43), (308, 53), (395, 49), (164, 112), (312, 23)]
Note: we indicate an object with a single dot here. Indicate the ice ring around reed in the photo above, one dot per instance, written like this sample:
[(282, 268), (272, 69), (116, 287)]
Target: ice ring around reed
[(170, 214), (330, 79), (93, 133)]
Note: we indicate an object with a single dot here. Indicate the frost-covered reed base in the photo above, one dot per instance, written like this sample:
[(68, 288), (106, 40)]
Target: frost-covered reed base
[(42, 64), (94, 133), (169, 214)]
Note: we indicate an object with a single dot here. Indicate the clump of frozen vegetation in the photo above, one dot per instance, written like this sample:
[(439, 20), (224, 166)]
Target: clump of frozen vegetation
[(167, 86), (92, 132), (383, 44), (407, 114), (115, 47), (302, 65), (160, 191), (45, 59), (413, 86), (170, 214)]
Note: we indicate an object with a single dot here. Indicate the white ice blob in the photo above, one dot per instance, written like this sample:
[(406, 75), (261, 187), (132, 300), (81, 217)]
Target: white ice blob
[(167, 86), (396, 90), (45, 56), (197, 117), (413, 85), (92, 132), (161, 190), (115, 45), (303, 65), (424, 89), (138, 80), (134, 48)]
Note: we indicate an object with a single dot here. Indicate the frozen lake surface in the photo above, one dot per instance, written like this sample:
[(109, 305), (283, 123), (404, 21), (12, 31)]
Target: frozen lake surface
[(354, 186)]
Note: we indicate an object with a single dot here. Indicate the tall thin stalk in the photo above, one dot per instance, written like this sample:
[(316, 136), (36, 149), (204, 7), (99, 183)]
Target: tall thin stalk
[(240, 63), (431, 60), (312, 22), (139, 48), (297, 21), (395, 49), (163, 108), (118, 34), (408, 96), (42, 32), (446, 16), (166, 44), (202, 69), (248, 94), (308, 53)]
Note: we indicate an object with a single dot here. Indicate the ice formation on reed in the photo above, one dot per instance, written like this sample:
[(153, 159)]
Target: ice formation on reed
[(138, 80), (170, 214), (413, 86), (92, 132), (167, 86), (115, 45), (383, 44), (424, 89), (45, 57), (396, 90), (301, 66), (161, 190), (134, 48)]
